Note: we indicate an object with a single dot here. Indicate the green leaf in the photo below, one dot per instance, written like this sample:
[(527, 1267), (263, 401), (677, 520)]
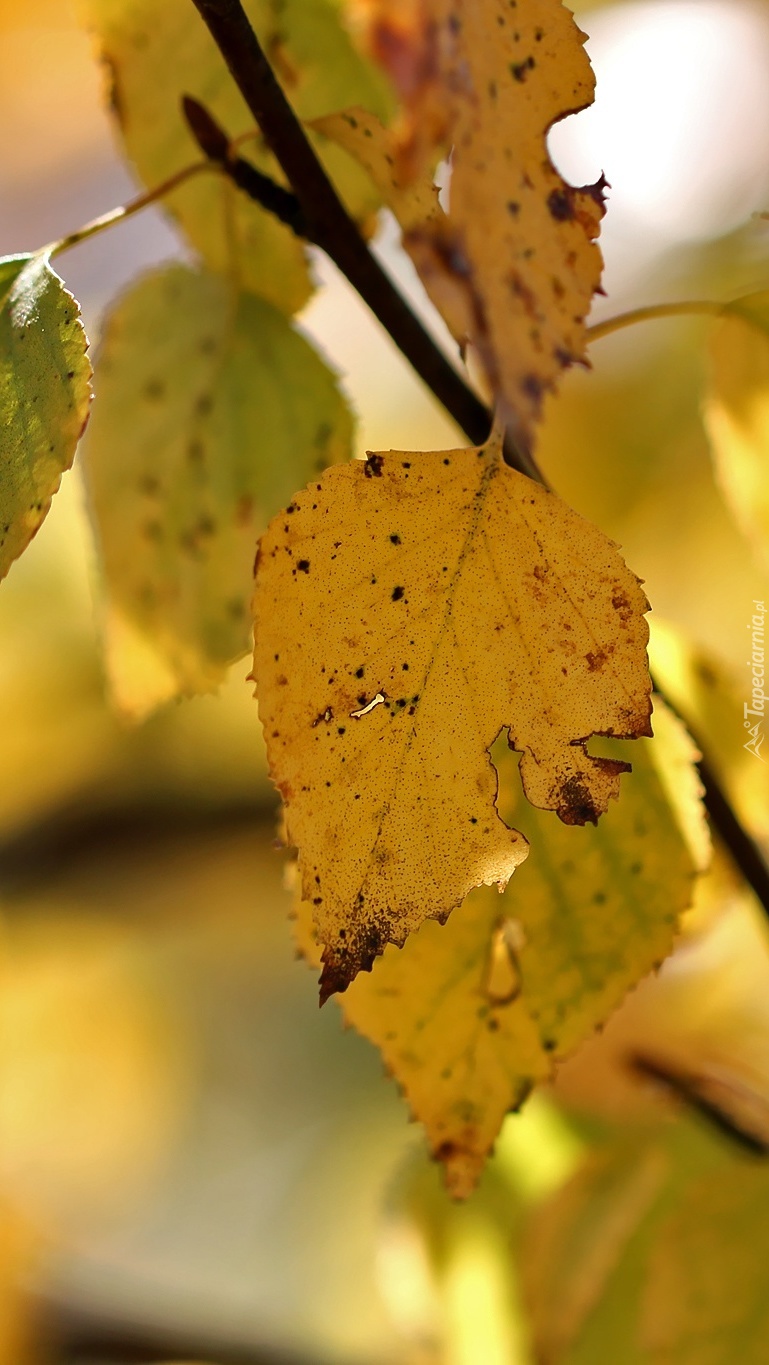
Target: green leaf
[(44, 395), (737, 415), (469, 1015), (10, 268), (157, 53), (212, 409), (707, 1297), (587, 1250)]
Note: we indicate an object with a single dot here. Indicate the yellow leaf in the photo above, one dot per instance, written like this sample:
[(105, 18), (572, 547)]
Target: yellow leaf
[(737, 415), (407, 609), (470, 1015), (513, 266)]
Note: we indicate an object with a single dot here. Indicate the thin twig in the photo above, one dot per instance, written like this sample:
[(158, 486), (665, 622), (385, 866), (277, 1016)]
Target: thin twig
[(75, 1336), (142, 201), (651, 312), (332, 228), (743, 850)]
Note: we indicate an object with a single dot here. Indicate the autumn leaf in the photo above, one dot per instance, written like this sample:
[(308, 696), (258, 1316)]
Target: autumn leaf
[(470, 1015), (201, 430), (737, 415), (44, 395), (513, 266), (407, 609), (156, 54)]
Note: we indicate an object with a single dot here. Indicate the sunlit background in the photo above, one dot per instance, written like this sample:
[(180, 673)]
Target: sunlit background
[(192, 1158)]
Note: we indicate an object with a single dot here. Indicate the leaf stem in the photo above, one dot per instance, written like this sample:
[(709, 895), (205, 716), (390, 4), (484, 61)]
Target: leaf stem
[(687, 308), (331, 227), (118, 215)]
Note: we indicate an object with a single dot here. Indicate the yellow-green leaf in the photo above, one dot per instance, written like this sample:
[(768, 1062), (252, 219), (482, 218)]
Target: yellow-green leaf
[(157, 53), (211, 408), (407, 609), (707, 1295), (513, 266), (577, 1242), (737, 415), (470, 1015), (44, 395), (654, 1253)]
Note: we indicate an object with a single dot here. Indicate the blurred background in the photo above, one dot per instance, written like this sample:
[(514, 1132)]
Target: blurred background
[(194, 1162)]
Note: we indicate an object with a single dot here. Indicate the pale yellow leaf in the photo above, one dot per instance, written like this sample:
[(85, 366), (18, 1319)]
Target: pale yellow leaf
[(154, 54), (470, 1015), (201, 430), (408, 609)]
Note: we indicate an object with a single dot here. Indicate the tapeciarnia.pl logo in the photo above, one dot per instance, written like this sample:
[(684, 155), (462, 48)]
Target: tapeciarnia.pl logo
[(755, 710)]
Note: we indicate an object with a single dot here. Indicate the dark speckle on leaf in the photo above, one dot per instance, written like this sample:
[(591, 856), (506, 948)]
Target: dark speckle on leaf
[(520, 70), (561, 205)]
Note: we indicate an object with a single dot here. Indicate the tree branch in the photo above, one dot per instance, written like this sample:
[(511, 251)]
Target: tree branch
[(214, 142), (331, 227), (75, 1337)]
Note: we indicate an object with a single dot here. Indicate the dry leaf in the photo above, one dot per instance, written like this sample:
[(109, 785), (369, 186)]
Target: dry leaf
[(513, 266), (408, 609)]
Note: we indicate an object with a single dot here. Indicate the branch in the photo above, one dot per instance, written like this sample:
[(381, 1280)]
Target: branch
[(331, 227), (214, 142), (123, 211), (74, 1336)]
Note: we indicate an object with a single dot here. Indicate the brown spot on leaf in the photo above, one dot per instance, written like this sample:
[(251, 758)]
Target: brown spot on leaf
[(561, 204)]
